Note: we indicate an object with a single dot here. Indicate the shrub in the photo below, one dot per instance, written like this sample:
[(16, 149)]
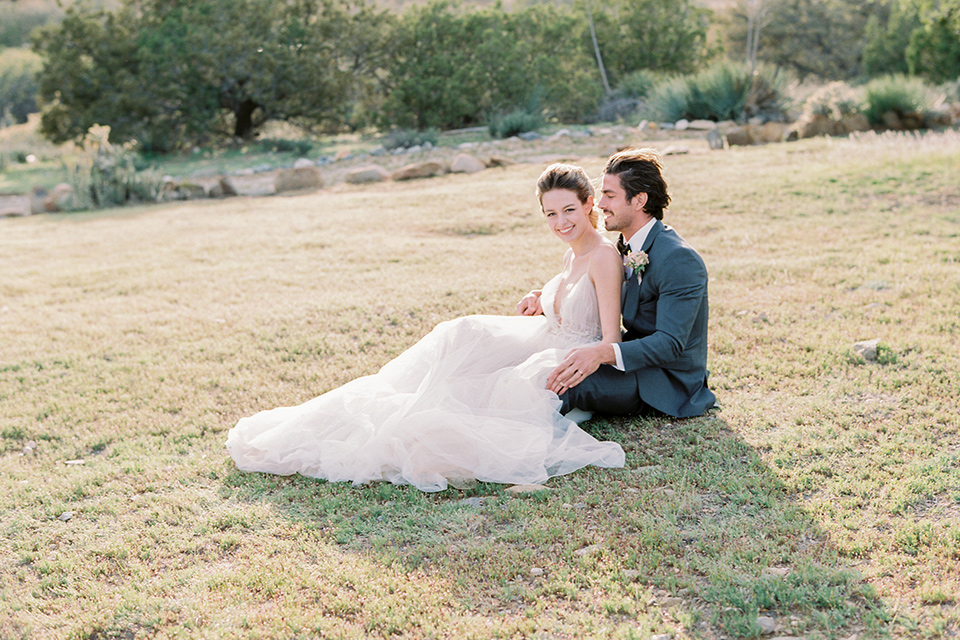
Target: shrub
[(282, 145), (514, 123), (834, 100), (406, 138), (895, 93), (636, 85), (105, 175), (18, 85)]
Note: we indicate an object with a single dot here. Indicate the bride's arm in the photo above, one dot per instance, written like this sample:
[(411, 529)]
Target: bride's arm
[(606, 271)]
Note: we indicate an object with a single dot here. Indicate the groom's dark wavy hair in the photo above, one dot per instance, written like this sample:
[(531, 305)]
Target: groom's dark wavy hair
[(641, 171)]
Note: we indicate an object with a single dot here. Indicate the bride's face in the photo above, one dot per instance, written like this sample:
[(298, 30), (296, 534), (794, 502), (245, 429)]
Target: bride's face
[(568, 218)]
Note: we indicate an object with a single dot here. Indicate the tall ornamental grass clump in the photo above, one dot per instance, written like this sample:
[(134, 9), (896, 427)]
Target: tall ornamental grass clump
[(897, 94), (724, 91), (514, 123)]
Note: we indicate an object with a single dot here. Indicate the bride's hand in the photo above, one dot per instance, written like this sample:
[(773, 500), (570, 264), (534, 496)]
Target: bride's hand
[(529, 304), (575, 368)]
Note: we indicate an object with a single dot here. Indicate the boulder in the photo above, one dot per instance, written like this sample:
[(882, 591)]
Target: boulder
[(367, 174), (772, 132), (224, 189), (497, 161), (13, 206), (60, 199), (258, 184), (757, 134), (299, 178), (738, 137), (304, 162), (681, 125), (854, 122), (702, 125), (419, 170), (465, 163), (816, 124)]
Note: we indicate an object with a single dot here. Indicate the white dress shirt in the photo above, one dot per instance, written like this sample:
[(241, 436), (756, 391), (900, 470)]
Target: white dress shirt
[(634, 244)]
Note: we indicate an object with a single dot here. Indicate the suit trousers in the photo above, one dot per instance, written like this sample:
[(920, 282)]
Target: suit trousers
[(607, 390)]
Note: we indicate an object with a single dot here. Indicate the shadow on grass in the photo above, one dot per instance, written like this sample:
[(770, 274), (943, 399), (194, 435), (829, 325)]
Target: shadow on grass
[(695, 534)]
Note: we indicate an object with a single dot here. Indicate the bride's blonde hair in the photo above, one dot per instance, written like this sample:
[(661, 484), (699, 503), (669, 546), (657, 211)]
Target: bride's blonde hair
[(572, 178)]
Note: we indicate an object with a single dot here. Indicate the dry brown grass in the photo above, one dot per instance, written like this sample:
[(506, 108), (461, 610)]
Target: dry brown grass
[(133, 339)]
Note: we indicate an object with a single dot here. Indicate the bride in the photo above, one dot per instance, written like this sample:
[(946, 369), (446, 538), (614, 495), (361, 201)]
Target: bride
[(468, 401)]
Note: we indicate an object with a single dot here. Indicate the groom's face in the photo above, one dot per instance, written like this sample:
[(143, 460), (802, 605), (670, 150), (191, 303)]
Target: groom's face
[(619, 213)]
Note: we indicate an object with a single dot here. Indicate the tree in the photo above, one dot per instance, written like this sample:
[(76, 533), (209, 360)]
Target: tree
[(652, 35), (18, 85), (458, 67), (822, 38), (176, 72), (919, 37)]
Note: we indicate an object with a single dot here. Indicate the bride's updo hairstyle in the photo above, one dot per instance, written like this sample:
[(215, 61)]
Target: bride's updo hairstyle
[(571, 178)]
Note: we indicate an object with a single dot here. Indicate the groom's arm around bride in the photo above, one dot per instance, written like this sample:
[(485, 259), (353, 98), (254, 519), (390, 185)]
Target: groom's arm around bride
[(661, 364)]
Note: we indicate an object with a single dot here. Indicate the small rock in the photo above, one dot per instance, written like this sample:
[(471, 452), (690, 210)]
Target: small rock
[(304, 162), (682, 124), (867, 349), (520, 489), (779, 572), (661, 636), (474, 502), (631, 574), (343, 154), (73, 462), (667, 491), (65, 516), (562, 133), (378, 150), (27, 450), (586, 550), (536, 571), (669, 603), (767, 625), (529, 136)]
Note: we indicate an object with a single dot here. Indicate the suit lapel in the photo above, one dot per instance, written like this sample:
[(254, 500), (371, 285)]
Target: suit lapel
[(631, 298)]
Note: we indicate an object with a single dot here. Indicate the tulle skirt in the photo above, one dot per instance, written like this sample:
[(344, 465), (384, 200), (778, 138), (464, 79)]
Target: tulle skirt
[(467, 402)]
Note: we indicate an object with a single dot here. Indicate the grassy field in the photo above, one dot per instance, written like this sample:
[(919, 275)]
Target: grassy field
[(823, 499)]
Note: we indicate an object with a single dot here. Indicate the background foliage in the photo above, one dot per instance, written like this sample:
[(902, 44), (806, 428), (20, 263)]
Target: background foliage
[(173, 74)]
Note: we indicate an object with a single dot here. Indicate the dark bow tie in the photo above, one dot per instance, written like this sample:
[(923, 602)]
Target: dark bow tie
[(622, 246)]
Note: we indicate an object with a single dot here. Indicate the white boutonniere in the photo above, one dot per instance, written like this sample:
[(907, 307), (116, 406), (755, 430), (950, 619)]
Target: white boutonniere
[(637, 260)]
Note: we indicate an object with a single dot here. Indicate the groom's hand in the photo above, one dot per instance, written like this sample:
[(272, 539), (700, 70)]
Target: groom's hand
[(529, 304), (579, 364)]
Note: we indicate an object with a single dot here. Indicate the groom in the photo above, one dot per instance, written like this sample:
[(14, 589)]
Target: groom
[(661, 365)]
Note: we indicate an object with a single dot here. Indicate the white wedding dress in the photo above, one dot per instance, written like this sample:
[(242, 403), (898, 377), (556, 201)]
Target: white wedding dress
[(467, 402)]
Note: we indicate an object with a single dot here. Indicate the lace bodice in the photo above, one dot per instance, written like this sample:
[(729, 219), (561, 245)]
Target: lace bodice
[(579, 317)]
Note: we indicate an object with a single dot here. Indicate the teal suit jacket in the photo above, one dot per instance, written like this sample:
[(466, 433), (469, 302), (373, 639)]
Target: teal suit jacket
[(665, 320)]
